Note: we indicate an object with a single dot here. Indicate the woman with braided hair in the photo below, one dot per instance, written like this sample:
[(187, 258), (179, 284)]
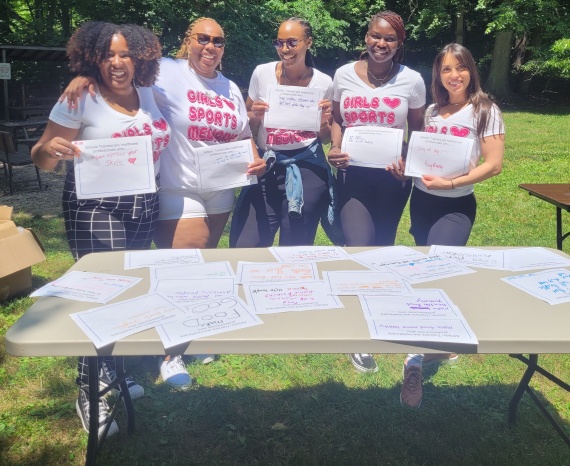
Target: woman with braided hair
[(376, 90)]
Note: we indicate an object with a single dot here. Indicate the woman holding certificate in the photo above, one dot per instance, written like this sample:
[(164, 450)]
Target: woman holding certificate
[(123, 61), (442, 209), (290, 110), (381, 94)]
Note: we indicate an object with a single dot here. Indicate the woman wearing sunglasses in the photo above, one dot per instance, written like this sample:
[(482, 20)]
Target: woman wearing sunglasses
[(377, 91), (294, 193), (203, 108)]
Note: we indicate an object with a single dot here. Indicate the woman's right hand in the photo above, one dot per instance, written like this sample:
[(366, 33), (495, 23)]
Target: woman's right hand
[(258, 109), (336, 158), (75, 88), (59, 148)]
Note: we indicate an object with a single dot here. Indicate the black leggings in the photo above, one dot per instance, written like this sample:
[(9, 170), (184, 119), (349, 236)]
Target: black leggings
[(263, 210), (371, 203), (446, 221)]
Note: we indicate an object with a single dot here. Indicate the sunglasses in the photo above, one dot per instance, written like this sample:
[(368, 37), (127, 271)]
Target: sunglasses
[(291, 43), (205, 39)]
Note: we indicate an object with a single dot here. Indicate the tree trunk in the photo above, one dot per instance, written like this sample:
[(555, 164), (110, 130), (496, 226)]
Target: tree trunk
[(524, 82), (459, 28), (498, 81)]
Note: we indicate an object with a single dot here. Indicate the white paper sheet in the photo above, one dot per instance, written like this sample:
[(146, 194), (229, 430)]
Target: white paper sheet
[(552, 286), (309, 253), (372, 146), (255, 272), (207, 269), (289, 296), (224, 166), (208, 318), (438, 154), (293, 107), (533, 258), (355, 282), (427, 269), (87, 286), (472, 257), (376, 259), (183, 291), (114, 167), (162, 258), (107, 324)]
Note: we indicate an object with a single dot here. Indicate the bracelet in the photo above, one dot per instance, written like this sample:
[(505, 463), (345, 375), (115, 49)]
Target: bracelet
[(334, 147), (452, 186)]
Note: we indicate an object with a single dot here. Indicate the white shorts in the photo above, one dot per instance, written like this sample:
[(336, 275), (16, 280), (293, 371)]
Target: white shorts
[(186, 204)]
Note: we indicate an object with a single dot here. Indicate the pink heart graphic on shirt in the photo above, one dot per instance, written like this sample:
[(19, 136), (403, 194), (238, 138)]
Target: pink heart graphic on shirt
[(392, 103), (459, 132), (132, 160), (160, 124)]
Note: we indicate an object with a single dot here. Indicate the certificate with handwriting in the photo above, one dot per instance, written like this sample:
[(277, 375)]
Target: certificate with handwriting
[(438, 155), (114, 167), (224, 166), (293, 107), (372, 146)]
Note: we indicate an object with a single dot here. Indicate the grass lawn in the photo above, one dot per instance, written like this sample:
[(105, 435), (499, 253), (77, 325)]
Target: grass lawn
[(315, 409)]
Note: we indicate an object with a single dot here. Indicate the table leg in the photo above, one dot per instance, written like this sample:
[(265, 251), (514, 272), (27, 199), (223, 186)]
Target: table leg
[(559, 228), (532, 368), (93, 438)]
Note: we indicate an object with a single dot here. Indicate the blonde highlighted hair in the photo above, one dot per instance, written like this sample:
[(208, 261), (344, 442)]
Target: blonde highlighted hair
[(183, 51)]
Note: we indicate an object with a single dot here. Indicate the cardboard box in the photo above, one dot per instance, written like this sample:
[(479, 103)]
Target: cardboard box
[(19, 250)]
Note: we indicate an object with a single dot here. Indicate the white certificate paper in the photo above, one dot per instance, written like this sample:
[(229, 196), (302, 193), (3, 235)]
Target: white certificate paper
[(224, 166), (438, 155), (373, 146), (114, 167), (162, 258), (255, 272), (552, 286), (309, 253), (355, 282), (293, 107), (471, 257)]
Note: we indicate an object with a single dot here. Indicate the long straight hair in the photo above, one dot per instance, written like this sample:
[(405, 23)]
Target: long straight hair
[(481, 102)]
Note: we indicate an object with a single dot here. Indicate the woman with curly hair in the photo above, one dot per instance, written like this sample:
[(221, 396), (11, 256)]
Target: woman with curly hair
[(123, 60)]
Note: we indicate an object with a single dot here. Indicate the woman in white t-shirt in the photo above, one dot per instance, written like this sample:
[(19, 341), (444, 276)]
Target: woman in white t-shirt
[(294, 193), (442, 210), (374, 91), (123, 62)]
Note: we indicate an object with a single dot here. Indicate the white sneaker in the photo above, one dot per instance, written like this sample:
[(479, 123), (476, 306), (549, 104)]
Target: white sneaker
[(174, 373), (205, 358)]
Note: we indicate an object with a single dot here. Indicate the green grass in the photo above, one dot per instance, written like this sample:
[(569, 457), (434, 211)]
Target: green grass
[(314, 409)]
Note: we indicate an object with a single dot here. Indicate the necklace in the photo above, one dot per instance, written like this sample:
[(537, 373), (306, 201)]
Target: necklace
[(291, 82), (460, 103), (381, 81)]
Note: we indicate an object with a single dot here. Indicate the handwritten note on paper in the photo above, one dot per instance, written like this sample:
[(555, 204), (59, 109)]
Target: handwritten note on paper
[(107, 324), (427, 268), (423, 304), (207, 269), (533, 258), (355, 282), (309, 253), (87, 286), (552, 286), (114, 167), (224, 166), (289, 296), (376, 259), (162, 258), (436, 330), (438, 154), (471, 257), (182, 291), (293, 107), (373, 146), (208, 318), (255, 272)]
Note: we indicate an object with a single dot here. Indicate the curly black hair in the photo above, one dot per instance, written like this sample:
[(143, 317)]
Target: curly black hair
[(89, 45)]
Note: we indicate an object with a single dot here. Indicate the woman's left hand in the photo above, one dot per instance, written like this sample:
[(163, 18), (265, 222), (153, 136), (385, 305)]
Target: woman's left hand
[(397, 171), (257, 168), (436, 182)]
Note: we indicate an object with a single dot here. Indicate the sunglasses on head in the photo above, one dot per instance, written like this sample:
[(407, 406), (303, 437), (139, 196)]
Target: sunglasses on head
[(291, 43), (205, 39)]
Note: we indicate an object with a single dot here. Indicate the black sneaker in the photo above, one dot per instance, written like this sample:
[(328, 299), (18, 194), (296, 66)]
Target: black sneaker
[(107, 375), (82, 408), (363, 362)]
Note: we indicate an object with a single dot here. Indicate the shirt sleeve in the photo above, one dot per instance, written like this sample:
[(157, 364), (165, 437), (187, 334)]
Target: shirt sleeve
[(495, 124), (418, 95), (246, 131), (70, 118), (253, 91)]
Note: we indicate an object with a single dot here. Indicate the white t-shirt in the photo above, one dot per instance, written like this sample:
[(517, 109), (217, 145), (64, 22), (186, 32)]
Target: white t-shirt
[(201, 112), (461, 124), (95, 119), (382, 106), (283, 139)]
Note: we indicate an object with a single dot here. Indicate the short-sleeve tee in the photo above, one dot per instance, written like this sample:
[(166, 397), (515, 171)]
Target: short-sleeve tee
[(96, 119), (461, 124), (283, 139), (201, 112), (382, 106)]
